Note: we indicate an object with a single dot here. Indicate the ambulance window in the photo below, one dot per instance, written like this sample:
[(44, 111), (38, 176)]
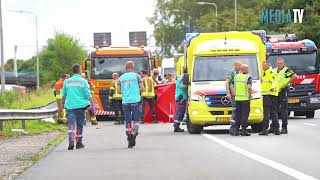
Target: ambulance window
[(219, 67)]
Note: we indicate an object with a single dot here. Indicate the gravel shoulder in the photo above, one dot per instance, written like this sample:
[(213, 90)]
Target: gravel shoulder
[(19, 153)]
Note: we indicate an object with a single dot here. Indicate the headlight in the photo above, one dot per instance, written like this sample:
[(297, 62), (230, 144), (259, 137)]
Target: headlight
[(256, 95), (195, 97)]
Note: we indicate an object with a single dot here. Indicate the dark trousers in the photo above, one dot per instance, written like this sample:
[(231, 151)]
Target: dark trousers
[(270, 110), (180, 110), (152, 108), (283, 107), (242, 114), (233, 115), (117, 106)]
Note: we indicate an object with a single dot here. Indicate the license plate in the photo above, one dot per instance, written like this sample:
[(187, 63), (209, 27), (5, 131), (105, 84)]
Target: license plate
[(223, 119), (292, 101), (103, 84)]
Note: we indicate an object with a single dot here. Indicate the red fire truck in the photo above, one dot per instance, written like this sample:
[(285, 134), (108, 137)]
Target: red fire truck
[(301, 56)]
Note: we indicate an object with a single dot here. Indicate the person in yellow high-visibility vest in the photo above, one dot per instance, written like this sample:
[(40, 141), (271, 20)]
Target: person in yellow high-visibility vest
[(89, 114), (284, 77), (58, 93), (148, 95), (242, 91), (270, 99), (116, 99)]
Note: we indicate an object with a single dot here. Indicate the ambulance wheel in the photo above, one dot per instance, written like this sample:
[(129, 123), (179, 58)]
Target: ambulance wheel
[(193, 129), (256, 128), (310, 114)]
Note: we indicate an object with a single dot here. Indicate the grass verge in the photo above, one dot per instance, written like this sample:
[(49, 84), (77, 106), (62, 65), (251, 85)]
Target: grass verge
[(32, 128), (41, 154), (33, 99)]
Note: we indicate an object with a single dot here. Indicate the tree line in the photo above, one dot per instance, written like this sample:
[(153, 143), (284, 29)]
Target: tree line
[(172, 19), (55, 58)]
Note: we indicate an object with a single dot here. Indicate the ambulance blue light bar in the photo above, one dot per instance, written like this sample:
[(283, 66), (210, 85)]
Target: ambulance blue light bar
[(268, 46), (308, 43), (189, 37)]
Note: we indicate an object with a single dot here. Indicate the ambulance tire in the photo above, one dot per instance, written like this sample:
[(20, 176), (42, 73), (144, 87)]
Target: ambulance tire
[(193, 129), (310, 114), (256, 128)]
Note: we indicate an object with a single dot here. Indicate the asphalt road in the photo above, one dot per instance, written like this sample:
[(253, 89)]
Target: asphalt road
[(162, 154)]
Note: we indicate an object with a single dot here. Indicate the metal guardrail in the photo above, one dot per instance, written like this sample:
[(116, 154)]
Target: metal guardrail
[(12, 114), (23, 115)]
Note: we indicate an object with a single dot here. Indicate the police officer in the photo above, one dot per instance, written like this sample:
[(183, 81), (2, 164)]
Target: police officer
[(58, 93), (148, 95), (116, 99), (270, 98), (90, 114), (242, 89), (284, 77), (230, 95)]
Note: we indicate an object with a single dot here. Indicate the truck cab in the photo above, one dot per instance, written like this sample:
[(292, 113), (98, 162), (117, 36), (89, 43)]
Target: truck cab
[(103, 62), (209, 58), (301, 56)]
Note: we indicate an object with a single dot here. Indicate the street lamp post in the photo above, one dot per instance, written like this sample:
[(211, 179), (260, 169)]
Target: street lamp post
[(3, 81), (216, 8), (235, 14), (15, 66), (37, 43)]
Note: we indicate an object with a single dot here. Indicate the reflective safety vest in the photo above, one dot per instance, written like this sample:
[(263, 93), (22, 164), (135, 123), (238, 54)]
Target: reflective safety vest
[(268, 82), (58, 88), (149, 86), (116, 95), (241, 87), (92, 87), (281, 79)]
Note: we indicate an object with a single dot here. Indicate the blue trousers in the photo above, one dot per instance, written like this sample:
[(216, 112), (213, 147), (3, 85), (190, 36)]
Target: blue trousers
[(75, 124), (132, 115)]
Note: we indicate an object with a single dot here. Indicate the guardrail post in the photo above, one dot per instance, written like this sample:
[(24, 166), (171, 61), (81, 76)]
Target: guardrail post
[(23, 124), (1, 125)]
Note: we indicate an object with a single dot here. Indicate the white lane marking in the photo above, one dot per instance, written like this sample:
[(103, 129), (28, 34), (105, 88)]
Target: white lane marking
[(309, 124), (275, 165)]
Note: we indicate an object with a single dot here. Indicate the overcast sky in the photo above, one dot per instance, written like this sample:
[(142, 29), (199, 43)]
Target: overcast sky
[(80, 18)]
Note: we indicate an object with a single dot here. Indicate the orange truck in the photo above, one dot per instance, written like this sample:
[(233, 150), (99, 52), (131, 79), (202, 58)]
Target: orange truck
[(103, 62)]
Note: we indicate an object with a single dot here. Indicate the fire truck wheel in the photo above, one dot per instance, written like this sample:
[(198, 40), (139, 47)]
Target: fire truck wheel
[(310, 114)]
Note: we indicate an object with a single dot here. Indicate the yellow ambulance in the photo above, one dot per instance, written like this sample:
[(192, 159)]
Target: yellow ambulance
[(209, 59)]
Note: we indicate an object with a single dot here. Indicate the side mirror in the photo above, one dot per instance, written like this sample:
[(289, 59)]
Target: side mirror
[(87, 67)]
